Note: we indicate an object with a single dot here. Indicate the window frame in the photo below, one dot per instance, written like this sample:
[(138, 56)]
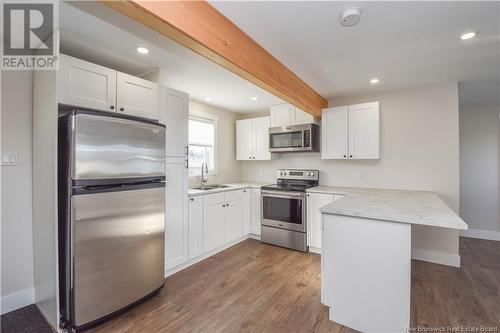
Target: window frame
[(209, 119)]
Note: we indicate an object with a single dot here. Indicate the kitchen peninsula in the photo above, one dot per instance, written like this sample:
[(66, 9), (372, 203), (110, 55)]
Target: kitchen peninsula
[(366, 253)]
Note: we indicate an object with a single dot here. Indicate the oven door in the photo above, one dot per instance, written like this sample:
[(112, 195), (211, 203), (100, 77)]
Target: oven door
[(285, 210)]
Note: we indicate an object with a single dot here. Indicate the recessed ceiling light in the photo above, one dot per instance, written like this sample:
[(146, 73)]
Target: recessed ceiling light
[(254, 98), (208, 99), (142, 50), (374, 81), (468, 35)]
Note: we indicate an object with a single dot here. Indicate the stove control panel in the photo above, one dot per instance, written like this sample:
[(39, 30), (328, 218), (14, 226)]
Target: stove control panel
[(297, 174)]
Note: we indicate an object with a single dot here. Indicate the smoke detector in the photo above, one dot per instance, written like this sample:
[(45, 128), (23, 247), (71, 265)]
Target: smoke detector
[(350, 17)]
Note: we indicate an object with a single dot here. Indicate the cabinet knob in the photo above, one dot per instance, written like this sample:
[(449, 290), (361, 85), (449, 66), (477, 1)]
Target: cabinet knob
[(223, 205), (192, 199), (249, 157), (350, 156), (122, 109), (112, 107), (345, 156), (227, 205)]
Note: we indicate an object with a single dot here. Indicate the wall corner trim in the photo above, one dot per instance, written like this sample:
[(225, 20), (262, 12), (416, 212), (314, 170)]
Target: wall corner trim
[(17, 300), (436, 257)]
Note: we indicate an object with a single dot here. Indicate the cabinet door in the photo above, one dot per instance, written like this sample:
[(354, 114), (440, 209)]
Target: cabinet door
[(195, 226), (84, 84), (300, 117), (364, 131), (261, 138), (281, 115), (246, 211), (244, 140), (176, 216), (314, 202), (213, 226), (255, 211), (136, 96), (174, 113), (334, 133), (233, 220)]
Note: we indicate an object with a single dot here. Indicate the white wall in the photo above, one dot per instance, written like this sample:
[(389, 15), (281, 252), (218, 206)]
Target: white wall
[(480, 163), (419, 149), (16, 209), (228, 168)]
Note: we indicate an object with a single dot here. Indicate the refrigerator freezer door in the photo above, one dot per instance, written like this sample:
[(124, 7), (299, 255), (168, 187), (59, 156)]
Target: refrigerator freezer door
[(111, 148), (118, 242)]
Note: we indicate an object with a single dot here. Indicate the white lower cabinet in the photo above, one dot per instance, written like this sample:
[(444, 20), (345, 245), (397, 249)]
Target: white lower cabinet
[(233, 220), (314, 202), (176, 214), (213, 220), (255, 211), (246, 211), (213, 226), (195, 226)]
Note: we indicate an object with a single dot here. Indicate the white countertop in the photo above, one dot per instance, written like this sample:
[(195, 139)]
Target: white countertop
[(414, 207), (231, 187)]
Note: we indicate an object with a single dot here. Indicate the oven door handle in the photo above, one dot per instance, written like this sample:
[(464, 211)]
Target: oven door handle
[(283, 194)]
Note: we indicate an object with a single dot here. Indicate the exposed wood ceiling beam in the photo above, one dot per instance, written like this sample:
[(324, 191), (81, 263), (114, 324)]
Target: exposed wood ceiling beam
[(200, 27)]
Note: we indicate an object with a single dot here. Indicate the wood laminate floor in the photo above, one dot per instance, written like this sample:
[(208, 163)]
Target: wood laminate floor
[(254, 287)]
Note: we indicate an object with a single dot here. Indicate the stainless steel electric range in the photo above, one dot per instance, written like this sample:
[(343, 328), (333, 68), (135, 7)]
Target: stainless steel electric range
[(284, 210)]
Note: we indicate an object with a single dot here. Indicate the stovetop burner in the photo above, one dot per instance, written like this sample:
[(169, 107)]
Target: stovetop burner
[(288, 187), (294, 180)]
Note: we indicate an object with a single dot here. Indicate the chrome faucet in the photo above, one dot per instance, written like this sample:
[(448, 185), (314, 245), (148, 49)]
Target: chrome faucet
[(204, 172)]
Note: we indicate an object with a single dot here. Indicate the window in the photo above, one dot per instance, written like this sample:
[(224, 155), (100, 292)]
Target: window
[(201, 145)]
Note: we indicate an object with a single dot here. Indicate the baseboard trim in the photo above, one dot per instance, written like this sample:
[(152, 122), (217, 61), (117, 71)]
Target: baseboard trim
[(481, 234), (204, 256), (314, 249), (17, 300), (254, 236), (436, 257)]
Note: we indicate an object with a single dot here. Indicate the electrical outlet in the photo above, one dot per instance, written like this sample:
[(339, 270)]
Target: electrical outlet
[(9, 159)]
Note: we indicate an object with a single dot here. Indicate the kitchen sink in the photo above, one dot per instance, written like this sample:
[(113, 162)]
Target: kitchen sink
[(209, 187)]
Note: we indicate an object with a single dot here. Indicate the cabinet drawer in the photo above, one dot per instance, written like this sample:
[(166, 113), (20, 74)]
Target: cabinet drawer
[(212, 199), (235, 195)]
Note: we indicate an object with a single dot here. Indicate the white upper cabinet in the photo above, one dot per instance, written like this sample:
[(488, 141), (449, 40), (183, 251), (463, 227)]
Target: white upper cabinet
[(300, 117), (334, 134), (84, 84), (283, 115), (174, 114), (244, 139), (261, 138), (136, 96), (364, 131), (252, 139), (351, 132)]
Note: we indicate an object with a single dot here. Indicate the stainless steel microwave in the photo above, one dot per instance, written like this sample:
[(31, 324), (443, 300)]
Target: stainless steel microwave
[(295, 138)]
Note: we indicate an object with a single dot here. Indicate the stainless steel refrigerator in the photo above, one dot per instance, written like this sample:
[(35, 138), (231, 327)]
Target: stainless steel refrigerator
[(111, 184)]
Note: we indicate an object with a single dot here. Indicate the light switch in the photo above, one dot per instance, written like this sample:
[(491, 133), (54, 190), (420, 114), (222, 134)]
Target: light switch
[(9, 159)]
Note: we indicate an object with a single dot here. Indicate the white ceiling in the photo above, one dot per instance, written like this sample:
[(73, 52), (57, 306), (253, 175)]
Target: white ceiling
[(96, 33), (404, 44)]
